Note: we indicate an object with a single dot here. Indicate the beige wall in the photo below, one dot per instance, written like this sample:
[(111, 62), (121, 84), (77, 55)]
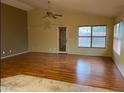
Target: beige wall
[(43, 33), (13, 30), (119, 59)]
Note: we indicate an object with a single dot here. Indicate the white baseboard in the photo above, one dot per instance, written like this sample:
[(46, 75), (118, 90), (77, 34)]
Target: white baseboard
[(122, 71), (11, 55), (62, 52)]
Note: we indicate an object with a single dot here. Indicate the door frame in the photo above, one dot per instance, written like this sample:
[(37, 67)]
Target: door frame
[(66, 40)]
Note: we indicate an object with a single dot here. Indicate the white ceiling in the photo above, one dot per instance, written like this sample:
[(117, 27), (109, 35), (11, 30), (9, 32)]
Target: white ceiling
[(109, 8)]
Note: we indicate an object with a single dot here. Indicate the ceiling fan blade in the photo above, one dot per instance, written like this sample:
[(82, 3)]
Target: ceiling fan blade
[(54, 17), (57, 15)]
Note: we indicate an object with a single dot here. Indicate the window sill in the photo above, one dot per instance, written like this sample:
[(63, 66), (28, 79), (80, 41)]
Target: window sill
[(94, 47)]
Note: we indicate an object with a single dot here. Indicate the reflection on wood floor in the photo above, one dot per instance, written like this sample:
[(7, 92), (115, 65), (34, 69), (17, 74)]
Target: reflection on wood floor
[(85, 70)]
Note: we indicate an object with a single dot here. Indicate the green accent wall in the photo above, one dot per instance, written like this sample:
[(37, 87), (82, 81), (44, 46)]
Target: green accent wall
[(14, 32)]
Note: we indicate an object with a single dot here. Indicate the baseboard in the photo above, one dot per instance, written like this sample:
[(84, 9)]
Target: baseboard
[(14, 55), (116, 61), (119, 68)]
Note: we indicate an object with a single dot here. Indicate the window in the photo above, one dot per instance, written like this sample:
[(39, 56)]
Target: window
[(92, 36), (117, 38), (84, 36)]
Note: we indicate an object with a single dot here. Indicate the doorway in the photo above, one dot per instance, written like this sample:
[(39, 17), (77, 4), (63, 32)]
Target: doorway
[(62, 39)]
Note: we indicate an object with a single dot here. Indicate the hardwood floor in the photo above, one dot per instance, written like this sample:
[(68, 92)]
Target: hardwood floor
[(85, 70)]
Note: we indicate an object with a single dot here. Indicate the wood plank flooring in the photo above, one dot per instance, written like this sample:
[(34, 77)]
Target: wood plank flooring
[(85, 70)]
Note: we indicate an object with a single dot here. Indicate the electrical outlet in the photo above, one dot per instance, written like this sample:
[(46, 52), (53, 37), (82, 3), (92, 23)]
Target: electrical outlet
[(10, 51), (3, 52)]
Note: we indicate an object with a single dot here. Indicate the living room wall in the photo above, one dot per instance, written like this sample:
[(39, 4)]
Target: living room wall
[(14, 34), (43, 33), (119, 59)]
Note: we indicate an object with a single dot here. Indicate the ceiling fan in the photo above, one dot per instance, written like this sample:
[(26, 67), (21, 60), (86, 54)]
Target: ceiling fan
[(51, 14)]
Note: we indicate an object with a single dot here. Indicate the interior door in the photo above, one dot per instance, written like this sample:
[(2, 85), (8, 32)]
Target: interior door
[(62, 39)]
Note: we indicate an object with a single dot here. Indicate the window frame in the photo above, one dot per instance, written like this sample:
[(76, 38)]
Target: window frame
[(92, 36), (117, 38)]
